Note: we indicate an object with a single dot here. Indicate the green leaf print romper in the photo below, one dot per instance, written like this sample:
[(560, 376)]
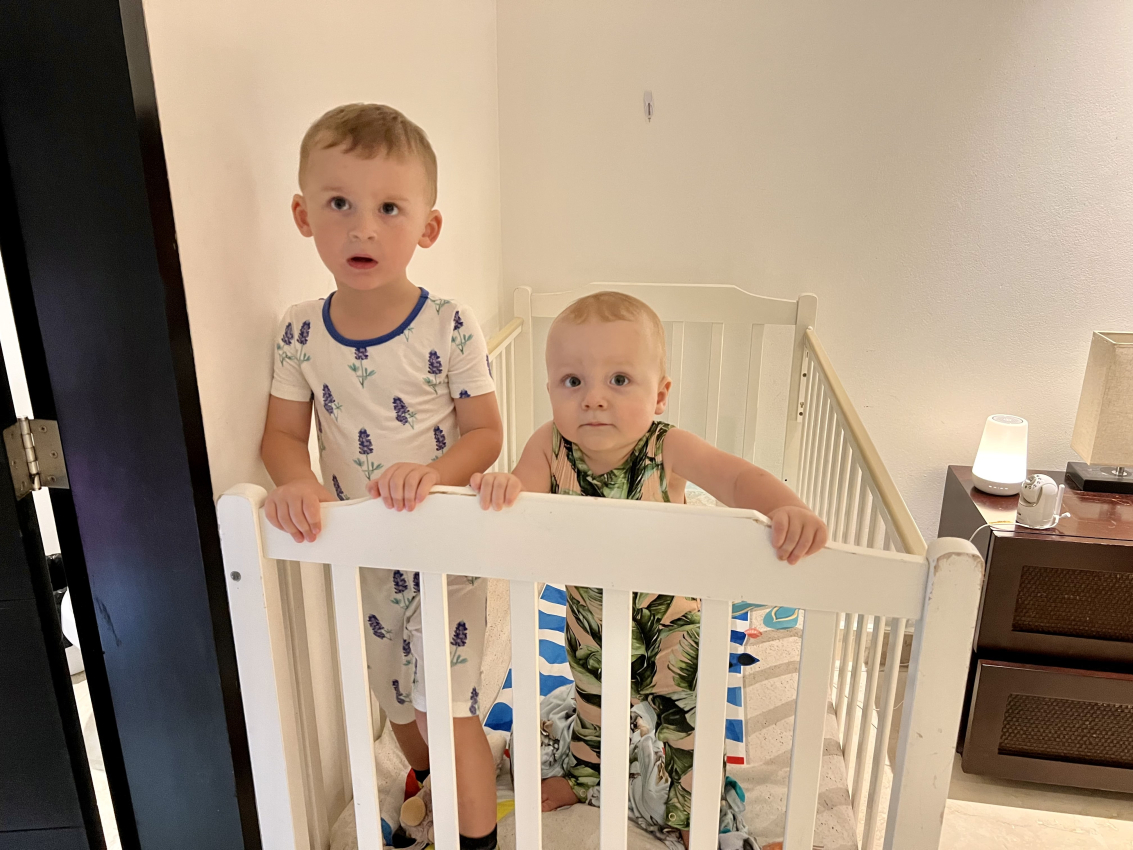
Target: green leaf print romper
[(663, 661)]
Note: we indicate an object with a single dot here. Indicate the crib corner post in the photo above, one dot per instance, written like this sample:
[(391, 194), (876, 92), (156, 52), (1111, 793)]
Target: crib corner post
[(263, 665), (931, 717), (524, 370), (805, 318)]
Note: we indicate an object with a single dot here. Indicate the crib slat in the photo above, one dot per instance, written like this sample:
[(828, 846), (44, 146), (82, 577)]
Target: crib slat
[(836, 447), (502, 400), (751, 408), (823, 451), (711, 712), (884, 725), (350, 627), (810, 722), (438, 701), (677, 358), (865, 502), (525, 745), (814, 453), (842, 494), (616, 635), (844, 668), (512, 446), (850, 729), (862, 756), (802, 480), (715, 369)]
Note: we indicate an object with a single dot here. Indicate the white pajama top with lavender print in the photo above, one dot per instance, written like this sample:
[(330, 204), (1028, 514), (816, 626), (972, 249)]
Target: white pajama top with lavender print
[(384, 400)]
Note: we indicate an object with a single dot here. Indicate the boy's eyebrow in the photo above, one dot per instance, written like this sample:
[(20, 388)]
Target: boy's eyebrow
[(342, 191)]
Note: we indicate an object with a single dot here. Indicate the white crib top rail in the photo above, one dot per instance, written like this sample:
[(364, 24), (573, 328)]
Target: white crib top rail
[(626, 546)]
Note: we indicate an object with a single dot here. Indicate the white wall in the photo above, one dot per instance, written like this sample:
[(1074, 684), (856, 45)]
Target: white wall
[(237, 85), (954, 180)]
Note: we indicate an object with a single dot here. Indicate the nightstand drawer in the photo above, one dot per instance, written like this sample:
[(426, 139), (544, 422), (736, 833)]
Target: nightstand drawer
[(1072, 601), (1053, 725)]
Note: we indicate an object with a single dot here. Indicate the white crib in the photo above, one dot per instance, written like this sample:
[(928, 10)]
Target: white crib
[(859, 595)]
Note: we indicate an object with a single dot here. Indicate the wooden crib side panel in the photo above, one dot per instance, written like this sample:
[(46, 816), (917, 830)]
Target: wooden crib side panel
[(256, 610), (938, 669)]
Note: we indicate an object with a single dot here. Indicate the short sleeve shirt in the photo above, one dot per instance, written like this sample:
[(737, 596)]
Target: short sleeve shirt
[(384, 400)]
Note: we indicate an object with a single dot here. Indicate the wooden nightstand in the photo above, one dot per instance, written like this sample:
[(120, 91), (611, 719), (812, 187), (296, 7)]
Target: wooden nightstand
[(1050, 691)]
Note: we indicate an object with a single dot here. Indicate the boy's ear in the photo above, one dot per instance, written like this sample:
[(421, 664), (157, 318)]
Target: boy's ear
[(432, 229), (663, 395), (299, 213)]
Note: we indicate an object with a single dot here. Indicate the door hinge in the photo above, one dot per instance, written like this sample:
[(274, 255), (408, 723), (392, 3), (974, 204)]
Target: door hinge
[(35, 456)]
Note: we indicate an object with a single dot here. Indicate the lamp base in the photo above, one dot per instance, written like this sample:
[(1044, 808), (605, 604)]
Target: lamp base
[(1099, 479), (996, 488)]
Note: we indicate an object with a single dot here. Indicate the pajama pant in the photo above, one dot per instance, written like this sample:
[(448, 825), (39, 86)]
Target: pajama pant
[(391, 606)]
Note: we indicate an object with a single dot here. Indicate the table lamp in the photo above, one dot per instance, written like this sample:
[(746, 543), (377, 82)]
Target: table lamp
[(1001, 463), (1103, 429)]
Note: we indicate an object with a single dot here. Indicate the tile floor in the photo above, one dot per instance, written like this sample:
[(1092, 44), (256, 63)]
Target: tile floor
[(982, 813)]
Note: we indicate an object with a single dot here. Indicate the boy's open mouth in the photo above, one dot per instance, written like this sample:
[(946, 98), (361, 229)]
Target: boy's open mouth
[(361, 261)]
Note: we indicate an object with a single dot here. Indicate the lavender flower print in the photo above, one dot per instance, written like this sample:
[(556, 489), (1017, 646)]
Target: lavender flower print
[(488, 360), (439, 439), (459, 641), (432, 381), (405, 333), (402, 413), (465, 394), (474, 703), (459, 338), (358, 367), (365, 449), (402, 699), (401, 590), (304, 335), (406, 649), (377, 628), (416, 582), (284, 344), (439, 303), (329, 404), (342, 497)]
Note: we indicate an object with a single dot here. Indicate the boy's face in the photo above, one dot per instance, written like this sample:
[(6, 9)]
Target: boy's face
[(605, 383), (367, 216)]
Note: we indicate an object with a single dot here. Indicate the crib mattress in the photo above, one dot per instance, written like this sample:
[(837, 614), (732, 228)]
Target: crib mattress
[(769, 692)]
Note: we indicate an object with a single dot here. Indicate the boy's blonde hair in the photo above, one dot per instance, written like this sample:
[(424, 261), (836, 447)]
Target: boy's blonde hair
[(371, 129), (616, 307)]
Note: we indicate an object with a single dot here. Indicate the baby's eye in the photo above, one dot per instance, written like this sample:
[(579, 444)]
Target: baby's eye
[(390, 208), (339, 203), (572, 382), (620, 380)]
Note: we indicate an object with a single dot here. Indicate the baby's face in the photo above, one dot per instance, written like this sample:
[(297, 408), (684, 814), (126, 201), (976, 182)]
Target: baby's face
[(605, 383), (367, 216)]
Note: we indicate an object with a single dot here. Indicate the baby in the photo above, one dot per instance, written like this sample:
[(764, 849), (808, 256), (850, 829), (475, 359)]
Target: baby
[(607, 382)]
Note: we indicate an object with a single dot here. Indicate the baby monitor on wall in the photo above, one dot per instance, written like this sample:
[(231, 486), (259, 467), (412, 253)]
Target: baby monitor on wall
[(1040, 502)]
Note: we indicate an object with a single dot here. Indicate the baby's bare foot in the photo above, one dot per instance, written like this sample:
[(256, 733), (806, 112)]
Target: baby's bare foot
[(557, 794)]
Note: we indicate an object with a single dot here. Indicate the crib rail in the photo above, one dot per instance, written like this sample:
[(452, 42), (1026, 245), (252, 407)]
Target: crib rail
[(841, 476), (940, 590)]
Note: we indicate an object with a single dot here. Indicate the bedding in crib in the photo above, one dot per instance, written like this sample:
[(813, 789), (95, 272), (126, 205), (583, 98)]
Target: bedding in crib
[(766, 719)]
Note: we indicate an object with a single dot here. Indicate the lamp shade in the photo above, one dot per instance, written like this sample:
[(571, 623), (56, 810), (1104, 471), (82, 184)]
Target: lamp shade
[(1103, 429), (1001, 462)]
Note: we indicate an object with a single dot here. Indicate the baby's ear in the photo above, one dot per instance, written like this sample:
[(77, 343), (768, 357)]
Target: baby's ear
[(663, 395)]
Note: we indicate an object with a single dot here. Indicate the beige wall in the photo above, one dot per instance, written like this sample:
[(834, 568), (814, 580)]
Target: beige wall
[(237, 85), (954, 181)]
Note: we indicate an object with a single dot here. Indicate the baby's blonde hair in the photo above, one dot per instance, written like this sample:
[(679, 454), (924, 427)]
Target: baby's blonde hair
[(370, 129), (616, 307)]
